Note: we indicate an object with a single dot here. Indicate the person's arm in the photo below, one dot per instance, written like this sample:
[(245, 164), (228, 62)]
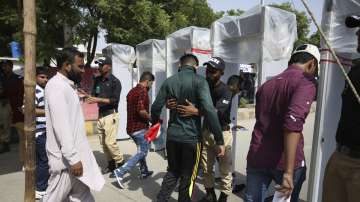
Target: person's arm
[(298, 110), (209, 111), (188, 110), (159, 103), (141, 108), (58, 113)]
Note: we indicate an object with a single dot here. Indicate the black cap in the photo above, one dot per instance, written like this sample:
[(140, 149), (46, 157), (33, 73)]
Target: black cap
[(217, 63), (103, 61), (352, 21)]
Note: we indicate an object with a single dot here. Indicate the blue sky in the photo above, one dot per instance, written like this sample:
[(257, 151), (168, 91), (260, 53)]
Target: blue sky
[(223, 5)]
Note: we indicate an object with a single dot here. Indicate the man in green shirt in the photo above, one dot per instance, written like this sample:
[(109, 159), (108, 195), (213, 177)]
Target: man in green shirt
[(184, 133)]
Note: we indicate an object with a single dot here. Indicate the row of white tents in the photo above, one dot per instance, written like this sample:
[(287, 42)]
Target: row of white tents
[(264, 36)]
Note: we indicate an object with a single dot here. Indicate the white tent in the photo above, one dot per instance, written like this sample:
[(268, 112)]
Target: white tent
[(123, 58), (262, 35), (331, 85), (193, 40), (150, 56)]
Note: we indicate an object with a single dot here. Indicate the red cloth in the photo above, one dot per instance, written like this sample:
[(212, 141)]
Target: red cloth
[(153, 133), (137, 100)]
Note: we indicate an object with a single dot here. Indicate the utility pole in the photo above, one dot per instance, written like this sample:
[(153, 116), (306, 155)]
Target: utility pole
[(29, 85)]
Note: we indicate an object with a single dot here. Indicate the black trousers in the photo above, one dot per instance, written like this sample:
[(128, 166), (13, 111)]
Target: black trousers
[(183, 163)]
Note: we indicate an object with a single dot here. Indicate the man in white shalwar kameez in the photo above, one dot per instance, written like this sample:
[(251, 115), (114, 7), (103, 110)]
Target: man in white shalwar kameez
[(73, 168)]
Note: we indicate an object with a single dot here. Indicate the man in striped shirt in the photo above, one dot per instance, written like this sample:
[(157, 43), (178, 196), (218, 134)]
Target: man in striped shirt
[(42, 167)]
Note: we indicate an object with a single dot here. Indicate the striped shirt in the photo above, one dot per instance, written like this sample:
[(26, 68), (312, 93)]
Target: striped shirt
[(40, 104)]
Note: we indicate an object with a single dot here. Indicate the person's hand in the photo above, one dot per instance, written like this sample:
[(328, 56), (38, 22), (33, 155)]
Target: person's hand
[(82, 93), (92, 100), (171, 104), (187, 110), (76, 169), (220, 150), (287, 185)]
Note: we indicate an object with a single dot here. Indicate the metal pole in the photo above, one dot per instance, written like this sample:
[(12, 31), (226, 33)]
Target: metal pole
[(29, 85)]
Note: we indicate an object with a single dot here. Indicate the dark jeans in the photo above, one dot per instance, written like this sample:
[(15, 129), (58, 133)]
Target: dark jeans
[(258, 181), (183, 163), (42, 167)]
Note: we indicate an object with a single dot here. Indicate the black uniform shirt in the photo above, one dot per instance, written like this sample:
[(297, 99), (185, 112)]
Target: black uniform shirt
[(107, 87), (221, 97), (348, 132)]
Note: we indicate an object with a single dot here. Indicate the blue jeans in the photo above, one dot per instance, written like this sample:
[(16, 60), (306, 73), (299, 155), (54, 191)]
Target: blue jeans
[(140, 157), (258, 181), (42, 167)]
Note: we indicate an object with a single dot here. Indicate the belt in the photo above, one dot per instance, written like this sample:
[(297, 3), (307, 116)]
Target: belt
[(348, 151), (107, 112)]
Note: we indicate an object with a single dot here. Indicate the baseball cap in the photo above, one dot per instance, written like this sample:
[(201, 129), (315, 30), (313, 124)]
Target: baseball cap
[(103, 61), (309, 48), (352, 21), (216, 62)]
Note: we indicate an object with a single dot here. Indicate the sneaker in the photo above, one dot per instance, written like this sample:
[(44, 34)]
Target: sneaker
[(39, 194), (119, 178), (146, 174)]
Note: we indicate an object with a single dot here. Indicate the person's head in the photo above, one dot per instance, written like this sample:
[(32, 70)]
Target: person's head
[(7, 67), (214, 69), (307, 57), (354, 22), (41, 76), (234, 83), (71, 63), (105, 65), (147, 79), (189, 60)]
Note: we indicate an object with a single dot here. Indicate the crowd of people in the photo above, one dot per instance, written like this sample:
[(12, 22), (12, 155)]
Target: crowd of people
[(199, 132)]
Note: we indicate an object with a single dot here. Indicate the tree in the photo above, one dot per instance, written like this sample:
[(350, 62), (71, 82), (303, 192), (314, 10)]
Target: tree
[(145, 19), (234, 12)]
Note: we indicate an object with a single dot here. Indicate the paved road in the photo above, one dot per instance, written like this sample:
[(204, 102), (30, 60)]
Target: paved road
[(12, 178)]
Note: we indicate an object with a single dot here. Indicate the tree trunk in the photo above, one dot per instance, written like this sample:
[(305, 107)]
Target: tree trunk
[(91, 49), (29, 84)]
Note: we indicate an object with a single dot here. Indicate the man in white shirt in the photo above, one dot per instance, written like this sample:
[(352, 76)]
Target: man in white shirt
[(72, 165)]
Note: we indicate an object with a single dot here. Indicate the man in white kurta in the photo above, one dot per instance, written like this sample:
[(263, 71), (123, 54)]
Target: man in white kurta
[(67, 145)]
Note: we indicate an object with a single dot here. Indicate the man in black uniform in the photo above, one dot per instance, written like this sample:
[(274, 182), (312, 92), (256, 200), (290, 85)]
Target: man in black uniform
[(342, 175), (183, 143), (106, 92)]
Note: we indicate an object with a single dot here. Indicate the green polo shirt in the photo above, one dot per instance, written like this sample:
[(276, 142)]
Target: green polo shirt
[(186, 84)]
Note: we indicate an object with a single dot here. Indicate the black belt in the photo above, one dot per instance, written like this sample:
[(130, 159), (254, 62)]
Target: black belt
[(348, 151), (107, 112)]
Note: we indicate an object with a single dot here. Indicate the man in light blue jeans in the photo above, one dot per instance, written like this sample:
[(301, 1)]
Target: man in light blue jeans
[(137, 124)]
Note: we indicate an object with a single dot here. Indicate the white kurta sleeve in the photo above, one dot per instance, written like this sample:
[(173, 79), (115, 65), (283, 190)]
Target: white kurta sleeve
[(58, 104)]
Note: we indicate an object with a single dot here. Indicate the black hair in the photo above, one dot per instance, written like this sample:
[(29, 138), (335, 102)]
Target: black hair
[(147, 76), (42, 70), (67, 55), (301, 58), (189, 59), (7, 62), (235, 80)]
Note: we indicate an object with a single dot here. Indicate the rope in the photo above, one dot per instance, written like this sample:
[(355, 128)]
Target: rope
[(332, 51)]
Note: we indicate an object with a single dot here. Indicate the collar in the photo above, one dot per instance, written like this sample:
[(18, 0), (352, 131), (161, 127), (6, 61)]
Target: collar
[(298, 69), (187, 68), (67, 80)]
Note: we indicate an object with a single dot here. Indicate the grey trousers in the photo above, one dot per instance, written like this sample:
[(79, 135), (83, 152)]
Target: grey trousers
[(64, 187)]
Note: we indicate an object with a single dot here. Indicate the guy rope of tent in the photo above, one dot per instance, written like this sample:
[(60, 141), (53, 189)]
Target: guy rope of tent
[(332, 51)]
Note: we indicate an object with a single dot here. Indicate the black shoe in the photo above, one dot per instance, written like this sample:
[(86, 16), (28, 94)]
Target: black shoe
[(210, 196), (222, 197), (110, 168), (4, 147), (146, 174)]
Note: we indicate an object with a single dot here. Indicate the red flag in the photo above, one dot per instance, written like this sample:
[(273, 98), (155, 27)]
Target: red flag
[(153, 133)]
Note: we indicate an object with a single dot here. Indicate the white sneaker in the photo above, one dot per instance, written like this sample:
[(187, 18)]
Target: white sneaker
[(39, 194)]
